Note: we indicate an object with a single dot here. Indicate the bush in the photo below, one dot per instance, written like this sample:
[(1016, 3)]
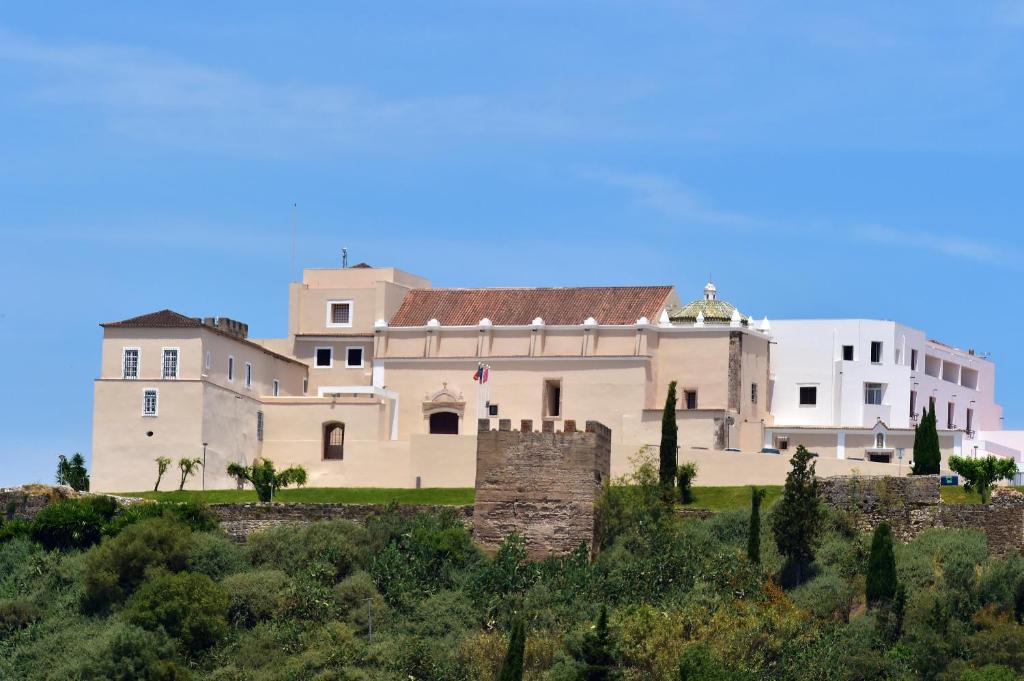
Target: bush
[(16, 613), (13, 529), (828, 596), (326, 551), (72, 523), (116, 568), (215, 556), (195, 516), (698, 663), (358, 600), (189, 607), (133, 654), (255, 596)]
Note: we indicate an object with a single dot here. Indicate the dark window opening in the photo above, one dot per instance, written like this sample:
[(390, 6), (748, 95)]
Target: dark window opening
[(876, 352), (880, 457), (354, 357), (913, 404), (324, 357), (492, 409), (444, 423), (808, 395), (552, 399), (913, 360), (690, 399), (950, 412), (334, 441), (970, 420), (848, 353)]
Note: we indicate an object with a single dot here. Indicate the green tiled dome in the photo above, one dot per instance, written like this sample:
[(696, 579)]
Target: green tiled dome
[(715, 311)]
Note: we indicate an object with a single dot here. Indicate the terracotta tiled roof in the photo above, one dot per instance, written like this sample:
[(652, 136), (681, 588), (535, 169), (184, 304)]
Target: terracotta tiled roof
[(519, 306), (164, 319)]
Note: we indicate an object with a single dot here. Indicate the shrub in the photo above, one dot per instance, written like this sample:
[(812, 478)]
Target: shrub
[(72, 523), (116, 568), (255, 596), (828, 596), (195, 516), (358, 600), (447, 612), (133, 654), (189, 607), (215, 556), (1001, 581), (990, 672), (698, 663), (327, 551), (265, 479), (16, 613), (13, 529), (512, 667), (685, 475), (880, 585)]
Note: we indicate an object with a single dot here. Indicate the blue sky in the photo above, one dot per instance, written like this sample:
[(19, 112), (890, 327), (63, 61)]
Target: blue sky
[(838, 160)]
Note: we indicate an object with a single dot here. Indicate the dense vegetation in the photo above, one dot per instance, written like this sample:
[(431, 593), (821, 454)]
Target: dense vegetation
[(93, 591)]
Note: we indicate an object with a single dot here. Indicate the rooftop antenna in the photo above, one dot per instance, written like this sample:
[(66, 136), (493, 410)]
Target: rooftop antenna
[(344, 258), (295, 209)]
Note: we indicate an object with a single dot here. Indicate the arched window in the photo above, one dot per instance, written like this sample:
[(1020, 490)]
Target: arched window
[(444, 423), (880, 440), (334, 440)]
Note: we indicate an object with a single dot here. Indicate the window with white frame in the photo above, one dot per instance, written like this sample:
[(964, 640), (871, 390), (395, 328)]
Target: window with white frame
[(872, 393), (847, 353), (149, 399), (231, 368), (259, 426), (354, 357), (808, 395), (169, 366), (876, 352), (339, 313), (324, 358), (277, 387), (248, 374), (130, 363)]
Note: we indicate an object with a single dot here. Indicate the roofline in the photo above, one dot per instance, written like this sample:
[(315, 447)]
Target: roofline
[(671, 328), (541, 288)]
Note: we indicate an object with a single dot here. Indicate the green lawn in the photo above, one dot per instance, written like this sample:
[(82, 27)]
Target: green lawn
[(958, 495), (453, 496), (727, 498)]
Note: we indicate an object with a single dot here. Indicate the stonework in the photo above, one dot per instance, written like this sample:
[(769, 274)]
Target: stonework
[(543, 486)]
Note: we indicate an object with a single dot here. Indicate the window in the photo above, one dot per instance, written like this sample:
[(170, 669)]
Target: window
[(876, 352), (913, 360), (782, 442), (209, 360), (231, 368), (753, 393), (334, 440), (913, 404), (950, 413), (170, 364), (552, 399), (492, 409), (339, 313), (444, 423), (277, 387), (872, 393), (305, 385), (354, 357), (808, 395), (970, 420), (130, 363), (248, 375), (880, 440), (690, 399), (149, 402), (259, 426), (324, 358), (848, 353)]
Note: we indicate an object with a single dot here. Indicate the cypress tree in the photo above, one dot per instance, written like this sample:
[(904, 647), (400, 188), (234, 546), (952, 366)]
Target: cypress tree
[(880, 587), (754, 533), (596, 652), (796, 521), (512, 667), (927, 454), (669, 445)]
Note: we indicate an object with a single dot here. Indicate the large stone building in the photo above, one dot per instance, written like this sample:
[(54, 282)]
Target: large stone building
[(382, 378)]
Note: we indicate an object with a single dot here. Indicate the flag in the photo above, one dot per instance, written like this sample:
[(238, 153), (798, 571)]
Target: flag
[(483, 372)]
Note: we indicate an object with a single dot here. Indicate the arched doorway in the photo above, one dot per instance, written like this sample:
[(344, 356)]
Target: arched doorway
[(334, 440), (444, 423)]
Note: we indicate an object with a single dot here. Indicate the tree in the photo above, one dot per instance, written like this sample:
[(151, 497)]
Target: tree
[(981, 474), (512, 667), (880, 585), (596, 652), (265, 479), (796, 521), (927, 454), (754, 533), (188, 467), (73, 472), (698, 663), (685, 475), (669, 444), (162, 464)]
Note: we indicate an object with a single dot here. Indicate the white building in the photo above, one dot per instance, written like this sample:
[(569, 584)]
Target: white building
[(856, 388)]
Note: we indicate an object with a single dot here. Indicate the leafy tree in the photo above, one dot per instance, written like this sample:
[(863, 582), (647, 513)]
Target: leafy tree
[(754, 533), (880, 585), (669, 444), (685, 475), (927, 454), (73, 472), (596, 652), (188, 606), (512, 667), (266, 479), (162, 464), (796, 521), (133, 654), (73, 523), (981, 474), (188, 467)]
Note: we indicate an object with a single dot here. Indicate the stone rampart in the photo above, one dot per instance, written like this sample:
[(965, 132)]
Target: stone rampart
[(541, 485)]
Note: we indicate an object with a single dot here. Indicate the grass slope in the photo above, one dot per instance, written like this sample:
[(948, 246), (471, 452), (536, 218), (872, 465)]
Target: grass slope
[(449, 496)]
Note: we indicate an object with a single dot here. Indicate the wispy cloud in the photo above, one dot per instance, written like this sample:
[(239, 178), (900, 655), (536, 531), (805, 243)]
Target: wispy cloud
[(672, 199), (165, 98)]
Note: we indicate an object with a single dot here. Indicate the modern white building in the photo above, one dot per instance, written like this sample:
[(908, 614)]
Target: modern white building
[(857, 388)]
